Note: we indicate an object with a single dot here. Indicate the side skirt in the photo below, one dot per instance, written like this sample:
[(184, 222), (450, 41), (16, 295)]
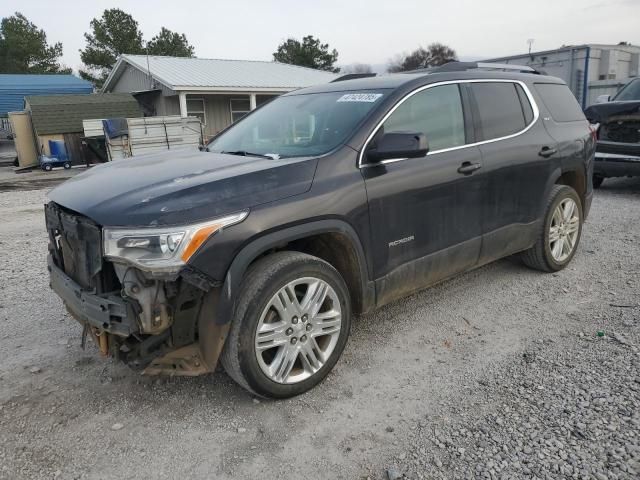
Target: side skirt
[(426, 271)]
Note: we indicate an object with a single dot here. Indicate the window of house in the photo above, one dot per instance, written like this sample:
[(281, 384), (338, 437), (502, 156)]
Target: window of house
[(239, 108), (195, 108), (262, 99), (436, 112), (499, 107)]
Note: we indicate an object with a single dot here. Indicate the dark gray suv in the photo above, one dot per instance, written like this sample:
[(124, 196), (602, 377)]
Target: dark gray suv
[(324, 203)]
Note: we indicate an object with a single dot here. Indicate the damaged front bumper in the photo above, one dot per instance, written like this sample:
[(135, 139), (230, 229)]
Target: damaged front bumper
[(190, 346), (108, 313), (160, 324), (626, 163)]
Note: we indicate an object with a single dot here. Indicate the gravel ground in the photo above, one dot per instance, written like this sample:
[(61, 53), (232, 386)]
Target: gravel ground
[(34, 178), (500, 373)]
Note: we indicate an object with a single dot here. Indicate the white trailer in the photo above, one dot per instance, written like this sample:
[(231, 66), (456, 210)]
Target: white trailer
[(148, 135)]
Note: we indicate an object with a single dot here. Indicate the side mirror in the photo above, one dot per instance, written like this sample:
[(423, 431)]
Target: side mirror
[(603, 98), (398, 145)]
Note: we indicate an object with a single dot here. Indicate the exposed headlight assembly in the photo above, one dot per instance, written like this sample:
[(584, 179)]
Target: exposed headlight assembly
[(162, 249)]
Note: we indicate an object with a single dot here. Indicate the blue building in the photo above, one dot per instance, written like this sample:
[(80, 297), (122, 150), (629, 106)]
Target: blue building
[(14, 87)]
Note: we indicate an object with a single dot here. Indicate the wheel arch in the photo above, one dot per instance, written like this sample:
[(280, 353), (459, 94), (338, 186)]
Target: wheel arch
[(575, 179), (332, 240)]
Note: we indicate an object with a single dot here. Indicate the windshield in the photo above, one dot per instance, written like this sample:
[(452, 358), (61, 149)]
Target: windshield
[(298, 125), (631, 91)]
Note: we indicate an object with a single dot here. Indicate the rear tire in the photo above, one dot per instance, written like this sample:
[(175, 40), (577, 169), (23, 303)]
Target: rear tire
[(597, 181), (290, 325), (47, 167), (559, 235)]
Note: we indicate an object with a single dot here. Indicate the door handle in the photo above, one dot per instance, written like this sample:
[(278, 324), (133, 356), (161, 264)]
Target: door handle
[(467, 168), (546, 152)]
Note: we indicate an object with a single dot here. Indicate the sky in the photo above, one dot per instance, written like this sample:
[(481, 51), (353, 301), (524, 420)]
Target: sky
[(371, 32)]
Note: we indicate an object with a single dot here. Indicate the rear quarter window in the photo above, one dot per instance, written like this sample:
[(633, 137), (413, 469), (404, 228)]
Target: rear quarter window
[(560, 102)]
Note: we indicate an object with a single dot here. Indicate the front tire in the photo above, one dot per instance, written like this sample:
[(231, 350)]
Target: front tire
[(290, 325), (559, 236)]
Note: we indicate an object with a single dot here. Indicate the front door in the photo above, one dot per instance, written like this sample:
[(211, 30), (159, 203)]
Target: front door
[(425, 214)]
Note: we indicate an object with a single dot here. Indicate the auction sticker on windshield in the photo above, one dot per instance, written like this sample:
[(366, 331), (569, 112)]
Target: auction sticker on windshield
[(360, 97)]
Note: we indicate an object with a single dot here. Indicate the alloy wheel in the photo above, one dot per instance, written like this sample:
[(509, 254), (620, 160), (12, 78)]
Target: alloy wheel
[(298, 330), (564, 229)]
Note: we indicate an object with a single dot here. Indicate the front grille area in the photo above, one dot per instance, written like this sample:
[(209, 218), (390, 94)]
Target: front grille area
[(75, 243), (622, 131)]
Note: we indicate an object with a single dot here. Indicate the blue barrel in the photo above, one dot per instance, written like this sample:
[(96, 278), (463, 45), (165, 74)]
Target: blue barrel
[(58, 150)]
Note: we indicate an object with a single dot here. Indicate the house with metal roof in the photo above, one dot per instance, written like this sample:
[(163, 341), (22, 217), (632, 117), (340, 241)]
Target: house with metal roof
[(14, 87), (219, 92)]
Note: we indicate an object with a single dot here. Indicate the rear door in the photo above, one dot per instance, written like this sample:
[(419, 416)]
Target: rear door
[(425, 215), (516, 151)]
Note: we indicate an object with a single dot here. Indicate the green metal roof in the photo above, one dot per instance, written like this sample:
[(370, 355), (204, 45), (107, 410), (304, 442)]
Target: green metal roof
[(57, 114)]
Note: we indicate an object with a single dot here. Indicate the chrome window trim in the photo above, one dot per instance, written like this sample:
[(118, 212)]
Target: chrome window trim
[(534, 107)]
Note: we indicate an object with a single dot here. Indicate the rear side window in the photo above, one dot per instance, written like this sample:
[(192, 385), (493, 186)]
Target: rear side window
[(560, 102), (500, 109), (436, 112)]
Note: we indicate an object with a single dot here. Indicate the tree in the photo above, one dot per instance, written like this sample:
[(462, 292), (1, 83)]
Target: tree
[(170, 43), (357, 68), (308, 53), (441, 54), (114, 34), (24, 48), (435, 54)]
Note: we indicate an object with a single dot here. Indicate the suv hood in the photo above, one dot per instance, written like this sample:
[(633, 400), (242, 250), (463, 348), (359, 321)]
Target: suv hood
[(181, 186), (613, 111), (619, 121)]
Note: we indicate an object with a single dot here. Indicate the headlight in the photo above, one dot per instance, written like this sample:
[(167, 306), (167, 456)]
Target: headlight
[(162, 248)]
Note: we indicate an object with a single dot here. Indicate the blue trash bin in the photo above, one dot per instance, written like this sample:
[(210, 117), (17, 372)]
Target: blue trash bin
[(58, 150)]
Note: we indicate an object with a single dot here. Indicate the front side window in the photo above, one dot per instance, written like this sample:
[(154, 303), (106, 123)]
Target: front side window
[(500, 109), (299, 125), (436, 112)]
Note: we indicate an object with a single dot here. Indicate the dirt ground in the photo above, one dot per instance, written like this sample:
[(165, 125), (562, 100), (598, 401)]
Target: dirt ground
[(427, 360)]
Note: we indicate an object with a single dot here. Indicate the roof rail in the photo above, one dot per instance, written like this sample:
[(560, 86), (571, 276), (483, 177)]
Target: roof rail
[(352, 76), (464, 66)]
